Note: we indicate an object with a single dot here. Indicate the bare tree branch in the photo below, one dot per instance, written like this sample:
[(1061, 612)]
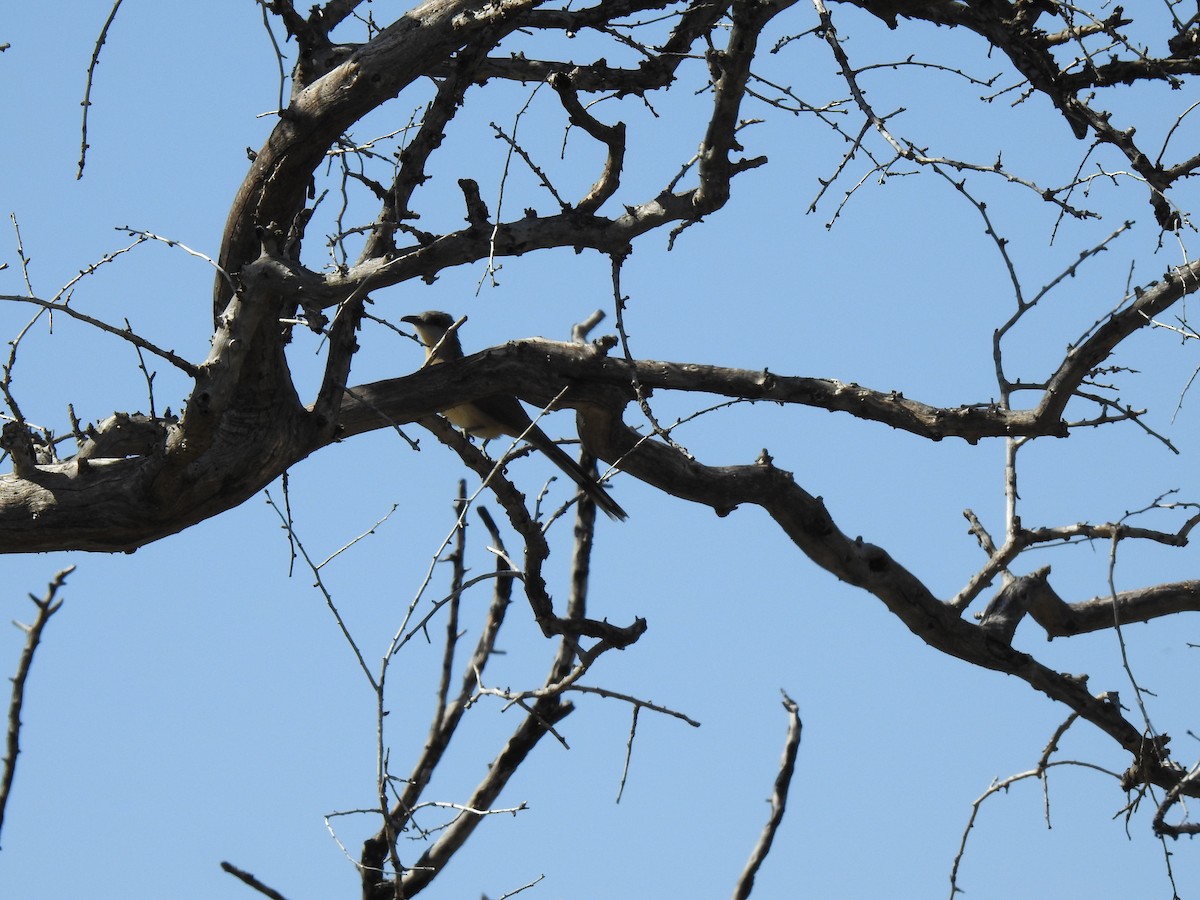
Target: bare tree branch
[(248, 879), (47, 606), (783, 781), (247, 419)]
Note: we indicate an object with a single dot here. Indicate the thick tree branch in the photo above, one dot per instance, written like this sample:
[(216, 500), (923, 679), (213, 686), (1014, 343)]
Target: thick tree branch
[(244, 454), (137, 479), (1085, 356), (273, 192), (537, 369), (1033, 594)]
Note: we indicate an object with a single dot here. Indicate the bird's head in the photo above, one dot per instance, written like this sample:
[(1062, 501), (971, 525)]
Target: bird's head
[(431, 325)]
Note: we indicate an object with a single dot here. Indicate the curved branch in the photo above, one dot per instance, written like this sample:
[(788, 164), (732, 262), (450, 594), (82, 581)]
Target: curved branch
[(806, 521), (123, 333), (94, 505), (536, 369), (731, 69), (546, 713), (47, 606), (783, 780), (612, 136), (1061, 619), (273, 192), (1097, 347)]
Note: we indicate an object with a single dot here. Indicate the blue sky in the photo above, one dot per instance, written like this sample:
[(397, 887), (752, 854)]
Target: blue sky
[(192, 703)]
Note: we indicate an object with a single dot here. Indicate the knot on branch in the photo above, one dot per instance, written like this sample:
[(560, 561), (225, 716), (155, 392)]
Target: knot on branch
[(17, 440), (1027, 593), (123, 434), (612, 136), (616, 636), (477, 211), (1153, 765)]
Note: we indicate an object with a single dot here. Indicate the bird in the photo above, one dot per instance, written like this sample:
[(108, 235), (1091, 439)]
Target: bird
[(490, 417)]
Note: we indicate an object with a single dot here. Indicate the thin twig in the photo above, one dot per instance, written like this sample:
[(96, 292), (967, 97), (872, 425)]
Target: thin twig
[(47, 606), (87, 92), (143, 235), (783, 780), (628, 752), (1002, 785), (177, 361), (146, 373), (289, 526)]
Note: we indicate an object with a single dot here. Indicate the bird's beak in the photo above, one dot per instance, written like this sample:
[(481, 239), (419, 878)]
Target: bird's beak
[(412, 320)]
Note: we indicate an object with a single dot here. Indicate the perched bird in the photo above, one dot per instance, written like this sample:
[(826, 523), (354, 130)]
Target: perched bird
[(490, 417)]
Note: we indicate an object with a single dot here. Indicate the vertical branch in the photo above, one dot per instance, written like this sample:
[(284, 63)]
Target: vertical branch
[(457, 560), (1138, 691), (87, 91), (730, 70), (783, 780), (6, 370), (585, 513), (546, 713), (585, 536), (343, 344), (395, 817), (1012, 496), (382, 845), (47, 606), (628, 752)]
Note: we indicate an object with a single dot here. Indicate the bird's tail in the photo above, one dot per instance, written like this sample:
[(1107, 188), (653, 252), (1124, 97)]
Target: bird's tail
[(594, 490)]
